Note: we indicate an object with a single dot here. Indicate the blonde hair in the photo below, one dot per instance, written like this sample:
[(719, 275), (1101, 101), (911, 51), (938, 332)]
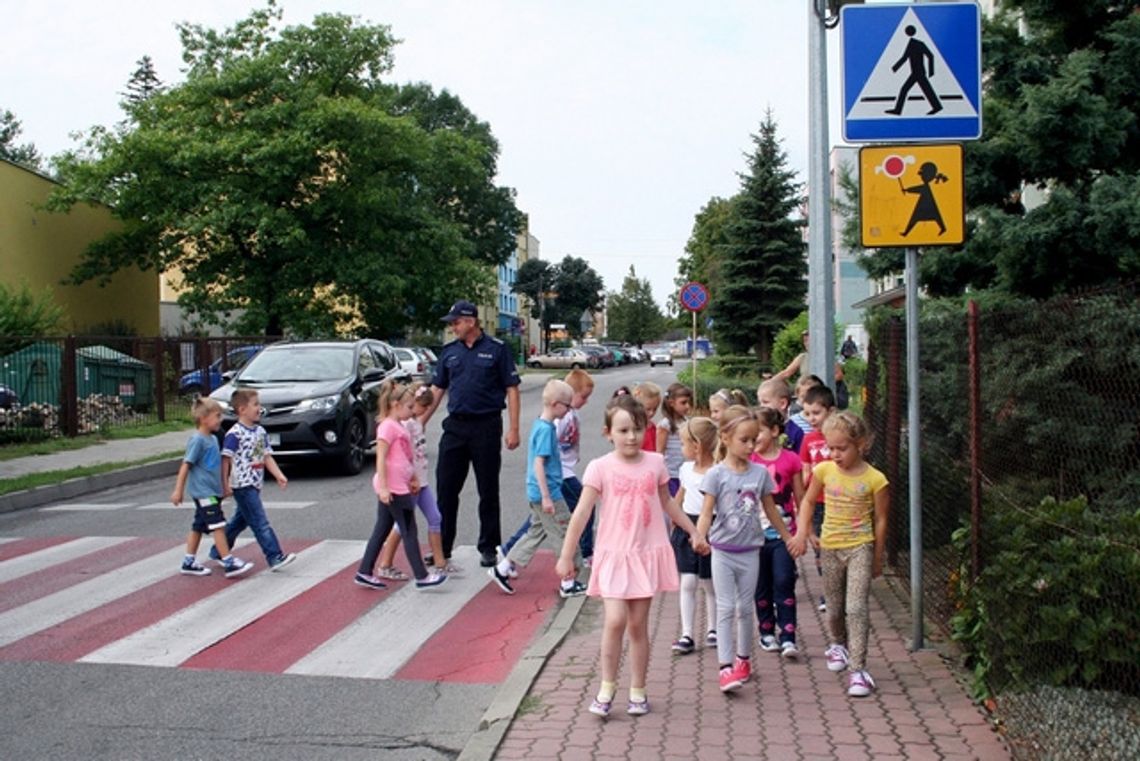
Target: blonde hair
[(702, 432), (776, 388), (392, 392), (647, 390), (850, 425), (203, 406), (730, 396), (579, 380), (557, 391), (730, 419)]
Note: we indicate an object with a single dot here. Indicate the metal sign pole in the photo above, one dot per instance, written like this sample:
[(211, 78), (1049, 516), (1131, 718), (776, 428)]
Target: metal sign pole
[(693, 354), (914, 446)]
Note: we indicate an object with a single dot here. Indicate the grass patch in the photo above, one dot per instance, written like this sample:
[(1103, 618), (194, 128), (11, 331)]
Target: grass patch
[(52, 477), (65, 444), (529, 704)]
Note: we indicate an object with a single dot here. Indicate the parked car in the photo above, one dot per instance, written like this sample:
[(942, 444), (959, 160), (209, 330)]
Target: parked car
[(235, 359), (429, 357), (604, 355), (560, 359), (8, 398), (660, 355), (415, 365), (319, 398)]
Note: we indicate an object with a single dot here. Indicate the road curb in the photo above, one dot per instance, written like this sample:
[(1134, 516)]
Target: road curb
[(496, 720), (77, 487)]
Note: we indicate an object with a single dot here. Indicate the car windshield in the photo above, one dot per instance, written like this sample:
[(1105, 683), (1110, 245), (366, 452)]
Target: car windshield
[(299, 363)]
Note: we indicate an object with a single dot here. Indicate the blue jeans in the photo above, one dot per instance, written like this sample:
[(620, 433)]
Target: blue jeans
[(776, 591), (250, 512), (571, 492)]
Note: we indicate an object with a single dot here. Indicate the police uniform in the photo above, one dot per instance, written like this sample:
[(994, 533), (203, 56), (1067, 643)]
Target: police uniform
[(476, 379)]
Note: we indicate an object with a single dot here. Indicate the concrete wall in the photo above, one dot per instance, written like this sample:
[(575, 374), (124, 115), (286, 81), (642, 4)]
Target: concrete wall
[(41, 248)]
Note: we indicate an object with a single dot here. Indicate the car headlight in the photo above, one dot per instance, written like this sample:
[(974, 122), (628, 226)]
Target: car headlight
[(318, 404)]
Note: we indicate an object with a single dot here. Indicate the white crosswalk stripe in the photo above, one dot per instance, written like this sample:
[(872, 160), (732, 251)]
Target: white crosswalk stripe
[(56, 608), (41, 560), (193, 629), (382, 632)]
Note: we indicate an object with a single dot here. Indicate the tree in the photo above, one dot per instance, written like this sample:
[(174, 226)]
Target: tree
[(559, 293), (704, 253), (633, 315), (144, 82), (1062, 123), (27, 313), (762, 284), (10, 129), (284, 177)]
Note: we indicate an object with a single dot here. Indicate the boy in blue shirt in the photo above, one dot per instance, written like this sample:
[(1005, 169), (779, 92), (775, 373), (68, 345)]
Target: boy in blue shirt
[(549, 512), (201, 476)]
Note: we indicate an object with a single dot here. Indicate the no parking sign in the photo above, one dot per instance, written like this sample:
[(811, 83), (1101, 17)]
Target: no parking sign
[(694, 297)]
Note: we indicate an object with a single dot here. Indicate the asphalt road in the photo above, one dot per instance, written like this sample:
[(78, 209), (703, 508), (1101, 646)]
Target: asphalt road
[(99, 711)]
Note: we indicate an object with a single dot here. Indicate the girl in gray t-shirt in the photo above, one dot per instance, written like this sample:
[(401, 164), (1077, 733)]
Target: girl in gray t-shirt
[(740, 493)]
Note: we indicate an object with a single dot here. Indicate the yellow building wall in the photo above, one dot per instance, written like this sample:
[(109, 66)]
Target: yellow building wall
[(41, 248)]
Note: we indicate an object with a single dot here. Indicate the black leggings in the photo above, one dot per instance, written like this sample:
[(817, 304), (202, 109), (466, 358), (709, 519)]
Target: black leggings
[(399, 512)]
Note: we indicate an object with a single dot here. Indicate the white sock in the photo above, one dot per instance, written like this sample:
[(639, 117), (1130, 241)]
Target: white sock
[(688, 598), (504, 567)]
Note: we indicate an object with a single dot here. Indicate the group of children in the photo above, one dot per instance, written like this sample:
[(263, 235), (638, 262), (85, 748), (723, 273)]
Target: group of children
[(746, 491)]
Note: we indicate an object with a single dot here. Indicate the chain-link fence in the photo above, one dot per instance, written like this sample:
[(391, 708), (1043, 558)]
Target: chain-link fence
[(1030, 517), (76, 385)]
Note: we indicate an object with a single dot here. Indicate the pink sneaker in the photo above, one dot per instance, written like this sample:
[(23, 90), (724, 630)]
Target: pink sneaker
[(730, 680), (743, 668), (836, 658), (860, 684)]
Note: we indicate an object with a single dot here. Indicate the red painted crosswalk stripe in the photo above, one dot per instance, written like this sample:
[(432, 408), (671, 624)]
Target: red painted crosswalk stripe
[(9, 550)]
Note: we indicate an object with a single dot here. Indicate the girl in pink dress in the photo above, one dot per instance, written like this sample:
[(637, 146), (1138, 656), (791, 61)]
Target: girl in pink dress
[(633, 559)]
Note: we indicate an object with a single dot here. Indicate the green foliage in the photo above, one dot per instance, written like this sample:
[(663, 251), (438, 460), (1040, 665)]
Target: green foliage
[(1062, 124), (790, 342), (762, 273), (10, 129), (633, 315), (285, 178), (1056, 601), (24, 312), (703, 259), (571, 287)]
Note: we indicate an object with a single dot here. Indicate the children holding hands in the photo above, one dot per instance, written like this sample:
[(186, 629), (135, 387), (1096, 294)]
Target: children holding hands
[(740, 493), (853, 539)]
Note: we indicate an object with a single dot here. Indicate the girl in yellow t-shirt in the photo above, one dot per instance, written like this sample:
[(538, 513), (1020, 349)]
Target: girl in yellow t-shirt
[(852, 541)]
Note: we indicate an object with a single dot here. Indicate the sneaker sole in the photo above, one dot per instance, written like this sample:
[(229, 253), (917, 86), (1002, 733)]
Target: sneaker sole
[(858, 692), (773, 648), (638, 709), (430, 585), (731, 686), (791, 655), (366, 585), (189, 572), (239, 571), (286, 561)]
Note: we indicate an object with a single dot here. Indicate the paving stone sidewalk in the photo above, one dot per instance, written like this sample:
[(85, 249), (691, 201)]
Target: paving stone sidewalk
[(793, 710)]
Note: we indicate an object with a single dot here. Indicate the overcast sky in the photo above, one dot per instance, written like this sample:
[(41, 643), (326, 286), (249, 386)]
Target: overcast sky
[(617, 119)]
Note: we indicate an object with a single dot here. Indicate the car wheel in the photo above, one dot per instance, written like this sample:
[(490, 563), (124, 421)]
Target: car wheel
[(352, 461)]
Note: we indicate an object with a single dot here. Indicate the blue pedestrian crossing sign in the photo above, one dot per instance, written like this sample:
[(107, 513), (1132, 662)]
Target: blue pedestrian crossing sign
[(911, 72)]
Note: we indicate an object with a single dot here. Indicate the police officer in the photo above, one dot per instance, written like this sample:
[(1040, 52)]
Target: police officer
[(476, 371)]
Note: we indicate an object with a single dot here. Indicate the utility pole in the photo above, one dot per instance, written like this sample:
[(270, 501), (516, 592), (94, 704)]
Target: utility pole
[(821, 293)]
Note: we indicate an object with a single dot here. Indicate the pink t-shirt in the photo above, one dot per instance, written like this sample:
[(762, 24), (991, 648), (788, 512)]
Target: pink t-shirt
[(784, 470), (401, 466)]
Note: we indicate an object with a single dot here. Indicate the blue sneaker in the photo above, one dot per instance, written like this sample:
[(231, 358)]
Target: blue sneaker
[(194, 568), (284, 561)]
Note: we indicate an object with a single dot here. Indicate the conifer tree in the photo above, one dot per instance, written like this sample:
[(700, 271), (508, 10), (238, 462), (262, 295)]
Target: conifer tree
[(763, 274)]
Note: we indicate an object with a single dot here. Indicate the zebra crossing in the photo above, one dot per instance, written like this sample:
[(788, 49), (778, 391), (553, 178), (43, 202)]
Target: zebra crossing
[(121, 600)]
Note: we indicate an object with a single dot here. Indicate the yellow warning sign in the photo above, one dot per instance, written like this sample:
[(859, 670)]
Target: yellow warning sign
[(911, 195)]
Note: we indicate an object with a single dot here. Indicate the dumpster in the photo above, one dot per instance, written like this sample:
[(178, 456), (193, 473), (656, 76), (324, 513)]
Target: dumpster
[(33, 373)]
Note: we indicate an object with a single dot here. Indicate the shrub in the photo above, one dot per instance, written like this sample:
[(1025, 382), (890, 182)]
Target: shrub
[(1056, 601)]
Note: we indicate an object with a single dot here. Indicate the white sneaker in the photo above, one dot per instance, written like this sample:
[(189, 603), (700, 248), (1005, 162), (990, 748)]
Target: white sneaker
[(513, 573), (789, 650), (836, 658), (860, 684), (769, 643)]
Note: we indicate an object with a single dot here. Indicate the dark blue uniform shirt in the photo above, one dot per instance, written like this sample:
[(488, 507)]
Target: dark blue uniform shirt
[(476, 379)]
